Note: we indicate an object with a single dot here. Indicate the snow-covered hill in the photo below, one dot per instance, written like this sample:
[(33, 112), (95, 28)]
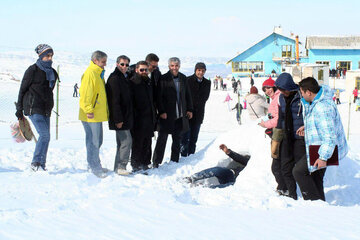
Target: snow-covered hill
[(68, 202)]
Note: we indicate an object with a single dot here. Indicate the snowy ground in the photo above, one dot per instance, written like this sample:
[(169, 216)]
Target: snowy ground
[(67, 202)]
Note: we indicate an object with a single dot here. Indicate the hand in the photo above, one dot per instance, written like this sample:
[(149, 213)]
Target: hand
[(319, 163), (224, 148), (189, 115), (19, 114), (119, 125), (301, 131), (90, 115), (163, 116), (262, 123)]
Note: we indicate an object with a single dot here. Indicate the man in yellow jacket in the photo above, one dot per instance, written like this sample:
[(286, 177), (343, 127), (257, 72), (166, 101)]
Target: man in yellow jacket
[(93, 109)]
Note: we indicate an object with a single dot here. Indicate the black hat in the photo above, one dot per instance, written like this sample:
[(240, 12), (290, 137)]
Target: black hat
[(200, 65)]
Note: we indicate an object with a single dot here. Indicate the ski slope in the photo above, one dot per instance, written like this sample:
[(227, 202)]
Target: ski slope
[(68, 202)]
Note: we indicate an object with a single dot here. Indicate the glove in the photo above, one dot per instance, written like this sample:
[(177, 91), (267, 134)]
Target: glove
[(19, 114)]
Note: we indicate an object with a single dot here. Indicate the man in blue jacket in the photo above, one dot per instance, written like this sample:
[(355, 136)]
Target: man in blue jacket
[(292, 148), (322, 127)]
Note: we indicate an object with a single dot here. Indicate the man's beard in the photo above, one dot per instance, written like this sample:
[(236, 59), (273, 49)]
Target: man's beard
[(144, 77)]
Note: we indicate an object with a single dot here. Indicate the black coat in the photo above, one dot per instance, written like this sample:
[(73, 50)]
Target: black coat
[(143, 105), (200, 92), (166, 102), (119, 101), (35, 95)]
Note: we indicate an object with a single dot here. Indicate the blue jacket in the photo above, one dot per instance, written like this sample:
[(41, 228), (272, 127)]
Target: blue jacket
[(323, 126), (296, 112)]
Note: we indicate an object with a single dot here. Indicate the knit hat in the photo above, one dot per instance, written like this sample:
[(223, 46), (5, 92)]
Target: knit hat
[(268, 83), (200, 65), (253, 90), (43, 49)]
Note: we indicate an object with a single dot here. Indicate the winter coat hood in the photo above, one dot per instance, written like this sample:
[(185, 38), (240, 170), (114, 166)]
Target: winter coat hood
[(286, 82)]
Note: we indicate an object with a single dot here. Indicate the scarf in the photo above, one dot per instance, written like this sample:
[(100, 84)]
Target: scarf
[(46, 67)]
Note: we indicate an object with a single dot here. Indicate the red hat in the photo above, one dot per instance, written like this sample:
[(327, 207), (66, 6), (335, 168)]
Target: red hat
[(268, 83), (253, 90)]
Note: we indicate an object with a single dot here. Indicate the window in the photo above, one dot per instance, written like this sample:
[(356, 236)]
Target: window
[(286, 51), (321, 75), (248, 66), (323, 62), (344, 65), (357, 83)]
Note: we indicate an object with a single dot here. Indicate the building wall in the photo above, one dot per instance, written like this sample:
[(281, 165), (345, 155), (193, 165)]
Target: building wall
[(265, 51), (334, 55)]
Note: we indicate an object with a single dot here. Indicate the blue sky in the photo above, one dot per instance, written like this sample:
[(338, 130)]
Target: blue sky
[(168, 28)]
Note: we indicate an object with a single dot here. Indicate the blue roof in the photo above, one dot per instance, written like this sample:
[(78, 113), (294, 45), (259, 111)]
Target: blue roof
[(291, 39)]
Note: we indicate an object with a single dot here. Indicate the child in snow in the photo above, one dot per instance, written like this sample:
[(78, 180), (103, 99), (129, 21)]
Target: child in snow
[(239, 109), (228, 99), (220, 176)]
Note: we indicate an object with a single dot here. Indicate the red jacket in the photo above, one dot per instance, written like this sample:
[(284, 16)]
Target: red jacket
[(355, 92)]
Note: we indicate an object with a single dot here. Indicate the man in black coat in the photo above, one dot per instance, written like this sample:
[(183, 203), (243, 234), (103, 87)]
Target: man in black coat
[(120, 112), (175, 107), (144, 117), (200, 91)]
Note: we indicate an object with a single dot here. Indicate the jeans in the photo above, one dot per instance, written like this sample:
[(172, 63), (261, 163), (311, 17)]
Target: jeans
[(42, 126), (189, 139), (94, 138), (224, 176), (124, 142)]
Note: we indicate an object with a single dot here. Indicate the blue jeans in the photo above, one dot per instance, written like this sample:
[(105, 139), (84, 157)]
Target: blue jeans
[(189, 139), (94, 139), (225, 176), (42, 126), (124, 143)]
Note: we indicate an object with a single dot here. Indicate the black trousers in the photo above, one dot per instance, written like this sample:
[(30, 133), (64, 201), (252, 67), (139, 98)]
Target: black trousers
[(189, 139), (311, 185), (141, 150), (161, 144), (291, 151), (276, 170)]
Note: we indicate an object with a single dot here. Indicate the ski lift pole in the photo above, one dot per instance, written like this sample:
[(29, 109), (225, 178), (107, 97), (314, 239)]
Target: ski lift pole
[(57, 103), (348, 130)]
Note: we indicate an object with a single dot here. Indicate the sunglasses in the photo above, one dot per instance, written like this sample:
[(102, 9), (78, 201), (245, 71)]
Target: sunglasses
[(123, 64), (143, 69)]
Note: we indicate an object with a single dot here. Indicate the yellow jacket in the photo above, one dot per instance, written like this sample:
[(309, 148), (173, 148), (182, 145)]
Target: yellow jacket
[(93, 95)]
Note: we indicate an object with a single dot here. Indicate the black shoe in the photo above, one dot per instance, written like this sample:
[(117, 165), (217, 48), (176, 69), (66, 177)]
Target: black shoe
[(43, 167), (35, 166)]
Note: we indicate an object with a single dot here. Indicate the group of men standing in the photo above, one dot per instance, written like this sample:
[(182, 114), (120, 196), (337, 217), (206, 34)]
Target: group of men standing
[(138, 102), (308, 117)]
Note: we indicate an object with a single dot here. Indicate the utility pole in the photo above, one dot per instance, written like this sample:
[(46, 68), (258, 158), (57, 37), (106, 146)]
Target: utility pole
[(57, 103)]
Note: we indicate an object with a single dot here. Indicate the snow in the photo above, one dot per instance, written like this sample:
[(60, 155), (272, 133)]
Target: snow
[(68, 202)]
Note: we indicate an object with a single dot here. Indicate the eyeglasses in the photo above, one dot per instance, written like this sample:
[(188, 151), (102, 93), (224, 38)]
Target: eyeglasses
[(143, 69), (123, 64)]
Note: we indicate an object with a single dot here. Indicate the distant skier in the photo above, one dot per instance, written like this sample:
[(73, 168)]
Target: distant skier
[(220, 176), (75, 94)]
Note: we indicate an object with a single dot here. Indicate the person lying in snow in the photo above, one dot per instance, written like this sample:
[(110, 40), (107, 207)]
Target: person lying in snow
[(220, 176)]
